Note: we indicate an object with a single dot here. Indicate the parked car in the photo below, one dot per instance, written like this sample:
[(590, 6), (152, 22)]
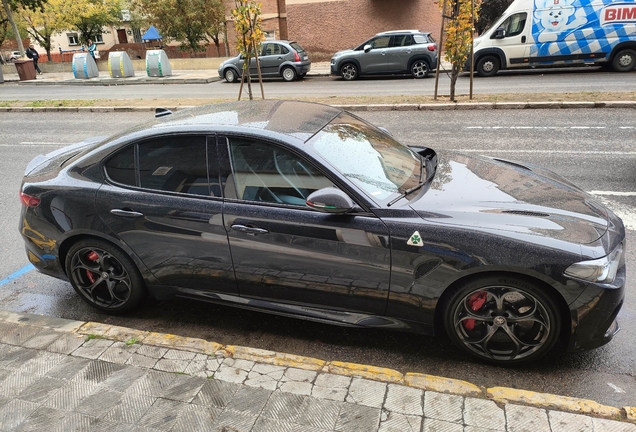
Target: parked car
[(277, 59), (306, 210), (15, 55), (393, 52)]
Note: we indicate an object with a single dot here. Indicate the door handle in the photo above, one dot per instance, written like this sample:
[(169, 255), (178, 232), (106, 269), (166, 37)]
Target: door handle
[(126, 213), (249, 230), (523, 39), (383, 52), (409, 51)]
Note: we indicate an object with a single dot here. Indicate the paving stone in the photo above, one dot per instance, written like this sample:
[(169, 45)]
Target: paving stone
[(70, 396), (284, 406), (367, 392), (567, 422), (66, 344), (265, 376), (123, 379), (267, 424), (442, 406), (92, 348), (41, 389), (17, 382), (434, 425), (396, 422), (194, 418), (162, 415), (203, 366), (173, 354), (68, 368), (97, 371), (526, 419), (45, 419), (299, 375), (119, 352), (15, 412), (234, 421), (322, 414), (355, 418), (216, 393), (16, 357), (15, 334), (169, 365), (42, 363), (234, 374), (153, 383), (130, 409), (404, 400), (330, 386), (42, 339), (483, 413), (249, 400), (299, 388), (142, 361), (602, 425), (98, 403), (183, 388)]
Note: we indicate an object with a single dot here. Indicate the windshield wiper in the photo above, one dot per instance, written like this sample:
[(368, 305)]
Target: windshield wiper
[(414, 188)]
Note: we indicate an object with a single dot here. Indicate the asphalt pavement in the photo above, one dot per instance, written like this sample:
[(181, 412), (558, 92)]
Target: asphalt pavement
[(58, 374)]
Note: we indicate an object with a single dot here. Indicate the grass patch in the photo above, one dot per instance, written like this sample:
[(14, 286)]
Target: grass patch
[(93, 336), (132, 341)]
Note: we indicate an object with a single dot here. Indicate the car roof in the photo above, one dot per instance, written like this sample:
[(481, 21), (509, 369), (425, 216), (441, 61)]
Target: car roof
[(299, 119), (392, 32)]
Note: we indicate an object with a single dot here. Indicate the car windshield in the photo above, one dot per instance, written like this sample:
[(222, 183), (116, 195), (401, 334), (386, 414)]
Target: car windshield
[(379, 165)]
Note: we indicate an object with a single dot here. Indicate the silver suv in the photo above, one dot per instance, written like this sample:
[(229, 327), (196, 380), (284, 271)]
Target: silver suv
[(277, 58), (393, 52)]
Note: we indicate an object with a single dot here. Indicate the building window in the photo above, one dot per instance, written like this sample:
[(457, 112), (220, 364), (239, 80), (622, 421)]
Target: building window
[(72, 38), (98, 39)]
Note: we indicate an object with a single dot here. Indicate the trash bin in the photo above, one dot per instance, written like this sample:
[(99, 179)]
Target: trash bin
[(26, 69)]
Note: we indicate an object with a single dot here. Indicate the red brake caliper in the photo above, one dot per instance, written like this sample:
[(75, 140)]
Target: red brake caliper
[(89, 274), (475, 302)]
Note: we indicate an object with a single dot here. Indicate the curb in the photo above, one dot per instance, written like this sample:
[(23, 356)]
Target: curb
[(368, 107), (415, 380)]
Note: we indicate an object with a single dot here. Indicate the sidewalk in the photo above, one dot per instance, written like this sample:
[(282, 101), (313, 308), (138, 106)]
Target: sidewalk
[(65, 375)]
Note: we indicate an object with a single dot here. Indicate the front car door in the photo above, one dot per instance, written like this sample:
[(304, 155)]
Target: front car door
[(286, 253), (515, 39), (163, 203), (374, 61)]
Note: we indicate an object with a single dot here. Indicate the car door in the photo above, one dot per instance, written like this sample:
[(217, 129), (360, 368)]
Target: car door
[(374, 61), (399, 53), (273, 57), (283, 251), (163, 203), (514, 40)]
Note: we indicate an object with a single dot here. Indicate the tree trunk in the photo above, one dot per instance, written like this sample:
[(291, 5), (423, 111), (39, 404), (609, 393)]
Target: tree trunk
[(454, 75), (18, 39)]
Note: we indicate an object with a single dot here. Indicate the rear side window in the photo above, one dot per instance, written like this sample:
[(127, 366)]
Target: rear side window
[(422, 39), (297, 47), (171, 164), (402, 40)]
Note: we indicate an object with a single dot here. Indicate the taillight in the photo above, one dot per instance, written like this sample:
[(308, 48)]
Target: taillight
[(296, 56), (28, 200), (432, 47)]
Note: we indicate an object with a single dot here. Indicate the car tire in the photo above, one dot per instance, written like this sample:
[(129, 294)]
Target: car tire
[(349, 71), (104, 276), (487, 66), (288, 74), (230, 75), (502, 319), (419, 69), (624, 60)]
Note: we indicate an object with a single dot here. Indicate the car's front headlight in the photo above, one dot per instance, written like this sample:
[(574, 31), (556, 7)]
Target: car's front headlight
[(602, 270)]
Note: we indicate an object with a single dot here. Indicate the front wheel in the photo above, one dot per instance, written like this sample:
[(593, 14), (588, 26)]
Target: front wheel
[(624, 60), (230, 75), (419, 69), (502, 320), (104, 276), (349, 72), (487, 66), (288, 74)]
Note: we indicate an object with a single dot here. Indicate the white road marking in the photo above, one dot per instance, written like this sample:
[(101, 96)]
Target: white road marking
[(544, 127), (616, 388), (613, 193), (567, 152)]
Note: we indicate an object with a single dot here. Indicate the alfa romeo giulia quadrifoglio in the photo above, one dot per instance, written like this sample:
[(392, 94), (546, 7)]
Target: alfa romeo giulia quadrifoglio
[(306, 210)]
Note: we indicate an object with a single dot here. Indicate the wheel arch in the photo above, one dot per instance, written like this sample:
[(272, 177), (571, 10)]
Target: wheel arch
[(497, 52), (424, 57), (621, 46), (346, 61), (562, 306)]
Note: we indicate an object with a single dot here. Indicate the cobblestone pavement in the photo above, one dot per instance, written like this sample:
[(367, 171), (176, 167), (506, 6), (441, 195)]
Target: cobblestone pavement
[(62, 375)]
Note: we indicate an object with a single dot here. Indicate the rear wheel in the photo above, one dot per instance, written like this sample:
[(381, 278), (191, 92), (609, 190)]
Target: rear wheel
[(419, 69), (349, 72), (104, 276), (624, 60), (288, 74), (230, 75), (487, 66), (502, 320)]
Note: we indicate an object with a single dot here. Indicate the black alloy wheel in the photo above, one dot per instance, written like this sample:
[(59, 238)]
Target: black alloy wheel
[(419, 69), (502, 320), (349, 72), (104, 276)]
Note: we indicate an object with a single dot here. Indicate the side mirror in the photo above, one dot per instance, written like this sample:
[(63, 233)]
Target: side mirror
[(367, 48), (500, 33), (330, 200)]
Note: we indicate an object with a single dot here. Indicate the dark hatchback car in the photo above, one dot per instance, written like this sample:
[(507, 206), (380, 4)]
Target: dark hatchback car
[(306, 210), (284, 59)]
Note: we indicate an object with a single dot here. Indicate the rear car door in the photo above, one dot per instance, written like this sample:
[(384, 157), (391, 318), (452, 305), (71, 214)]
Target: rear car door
[(273, 56), (399, 53), (286, 253), (164, 203)]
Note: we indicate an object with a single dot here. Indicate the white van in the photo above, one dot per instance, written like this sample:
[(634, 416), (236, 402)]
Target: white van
[(536, 33)]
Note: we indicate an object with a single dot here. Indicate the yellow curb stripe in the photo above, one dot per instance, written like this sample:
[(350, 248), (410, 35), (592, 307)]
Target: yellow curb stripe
[(442, 384), (124, 334), (564, 403), (631, 413), (364, 371), (94, 328), (182, 343), (274, 358)]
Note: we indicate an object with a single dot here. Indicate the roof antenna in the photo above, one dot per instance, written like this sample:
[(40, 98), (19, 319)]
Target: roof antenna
[(160, 112)]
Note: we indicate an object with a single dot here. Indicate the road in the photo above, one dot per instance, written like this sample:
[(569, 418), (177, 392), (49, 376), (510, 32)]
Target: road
[(594, 148), (555, 81)]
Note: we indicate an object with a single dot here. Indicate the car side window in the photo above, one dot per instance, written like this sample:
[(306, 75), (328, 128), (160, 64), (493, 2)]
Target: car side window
[(264, 172), (421, 39), (380, 42), (275, 49), (171, 164), (514, 24), (402, 40)]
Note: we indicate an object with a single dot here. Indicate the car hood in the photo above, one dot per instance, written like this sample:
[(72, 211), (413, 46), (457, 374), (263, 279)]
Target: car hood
[(339, 53), (495, 194)]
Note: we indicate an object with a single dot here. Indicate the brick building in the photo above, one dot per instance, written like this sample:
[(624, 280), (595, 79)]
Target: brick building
[(323, 27)]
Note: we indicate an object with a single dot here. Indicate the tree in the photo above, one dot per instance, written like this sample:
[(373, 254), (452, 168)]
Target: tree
[(10, 5), (42, 23), (189, 22), (249, 35), (458, 31), (90, 16), (490, 11)]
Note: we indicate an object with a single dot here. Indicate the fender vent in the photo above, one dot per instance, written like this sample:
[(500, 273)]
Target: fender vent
[(425, 268), (526, 213)]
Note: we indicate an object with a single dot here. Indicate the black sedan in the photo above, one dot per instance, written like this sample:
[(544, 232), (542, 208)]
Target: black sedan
[(306, 210)]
